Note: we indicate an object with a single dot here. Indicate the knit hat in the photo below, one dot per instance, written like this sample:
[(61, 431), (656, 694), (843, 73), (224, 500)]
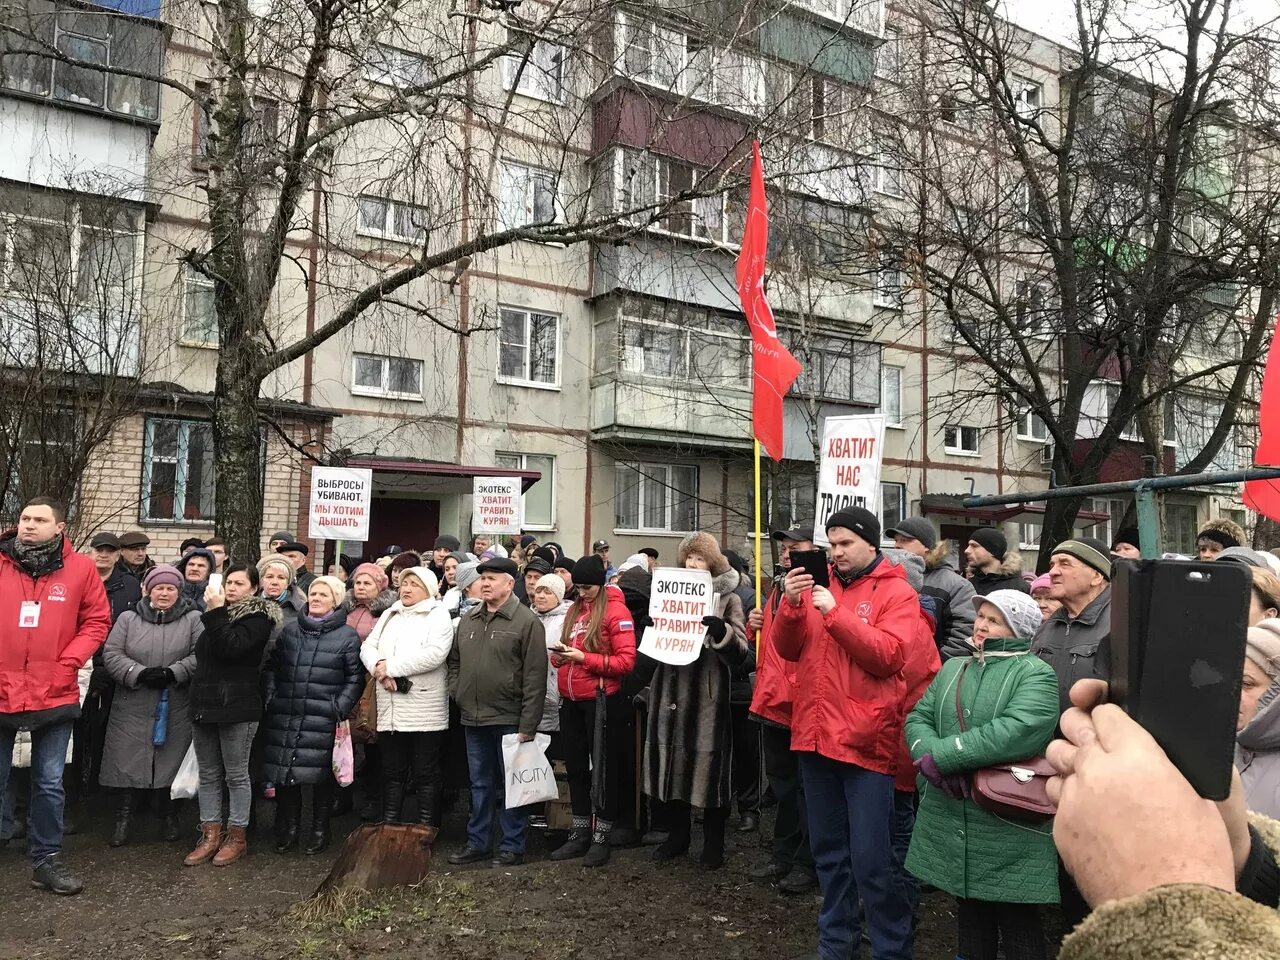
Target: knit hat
[(190, 542), (552, 582), (1127, 535), (1223, 531), (162, 573), (1090, 551), (912, 566), (1040, 583), (564, 563), (1262, 646), (280, 561), (860, 521), (447, 541), (545, 553), (589, 571), (466, 574), (373, 572), (284, 535), (428, 579), (1020, 612), (991, 540), (336, 587), (635, 560), (461, 556), (1243, 555), (705, 546), (917, 528)]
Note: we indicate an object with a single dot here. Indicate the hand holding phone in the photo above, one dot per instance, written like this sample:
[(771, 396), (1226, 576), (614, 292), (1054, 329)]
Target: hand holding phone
[(215, 582), (812, 562)]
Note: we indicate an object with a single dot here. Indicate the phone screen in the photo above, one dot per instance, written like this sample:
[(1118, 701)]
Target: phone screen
[(215, 581), (812, 562)]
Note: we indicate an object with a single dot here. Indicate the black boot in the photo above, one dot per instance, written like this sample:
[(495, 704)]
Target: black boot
[(288, 818), (713, 823), (172, 810), (598, 855), (677, 842), (124, 813), (321, 813), (579, 841), (429, 805), (392, 800)]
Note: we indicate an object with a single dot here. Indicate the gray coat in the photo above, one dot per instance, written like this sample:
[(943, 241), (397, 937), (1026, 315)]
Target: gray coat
[(1077, 649), (1258, 755), (138, 641), (942, 581), (688, 730)]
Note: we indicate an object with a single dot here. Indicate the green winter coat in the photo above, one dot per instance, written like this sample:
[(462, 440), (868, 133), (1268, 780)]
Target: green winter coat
[(1011, 709)]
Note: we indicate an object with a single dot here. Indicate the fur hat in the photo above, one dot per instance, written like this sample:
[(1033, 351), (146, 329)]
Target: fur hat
[(428, 579), (1020, 612), (1263, 646), (1223, 531), (278, 560), (553, 582), (705, 546), (336, 587)]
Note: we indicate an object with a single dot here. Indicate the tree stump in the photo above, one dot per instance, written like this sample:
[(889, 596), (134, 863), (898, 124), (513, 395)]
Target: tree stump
[(381, 855)]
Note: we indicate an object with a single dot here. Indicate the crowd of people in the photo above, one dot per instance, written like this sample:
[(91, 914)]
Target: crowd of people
[(878, 710)]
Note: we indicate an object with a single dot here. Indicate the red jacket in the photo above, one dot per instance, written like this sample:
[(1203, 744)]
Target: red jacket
[(849, 698), (616, 656), (38, 665), (775, 677), (918, 672)]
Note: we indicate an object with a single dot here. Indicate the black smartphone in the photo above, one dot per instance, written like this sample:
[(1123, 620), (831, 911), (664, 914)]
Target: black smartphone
[(812, 562), (403, 684), (1177, 657)]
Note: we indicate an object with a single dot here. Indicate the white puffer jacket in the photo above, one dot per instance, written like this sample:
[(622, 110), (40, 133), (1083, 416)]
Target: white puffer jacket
[(415, 641)]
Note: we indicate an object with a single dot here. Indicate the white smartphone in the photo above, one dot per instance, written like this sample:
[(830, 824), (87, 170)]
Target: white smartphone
[(215, 581)]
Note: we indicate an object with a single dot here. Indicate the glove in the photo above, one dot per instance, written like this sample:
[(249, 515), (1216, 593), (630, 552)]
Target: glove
[(954, 785), (927, 767), (154, 677), (716, 628)]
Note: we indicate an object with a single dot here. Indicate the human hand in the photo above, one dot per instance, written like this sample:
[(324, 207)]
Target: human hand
[(716, 628), (571, 655), (1127, 820), (755, 620), (823, 601), (388, 684), (214, 598), (928, 768), (524, 737), (153, 677), (795, 583), (380, 670)]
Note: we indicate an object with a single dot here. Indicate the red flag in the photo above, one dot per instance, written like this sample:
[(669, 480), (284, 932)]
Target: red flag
[(774, 369), (1264, 495)]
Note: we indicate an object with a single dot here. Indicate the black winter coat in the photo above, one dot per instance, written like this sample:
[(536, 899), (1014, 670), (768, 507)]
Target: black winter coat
[(314, 678), (123, 592), (227, 686), (636, 585)]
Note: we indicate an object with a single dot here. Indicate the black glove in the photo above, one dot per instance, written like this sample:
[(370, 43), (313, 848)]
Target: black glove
[(154, 677), (716, 628)]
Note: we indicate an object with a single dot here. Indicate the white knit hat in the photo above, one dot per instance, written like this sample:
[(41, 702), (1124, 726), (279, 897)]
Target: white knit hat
[(553, 582), (1263, 646), (428, 579), (1020, 612), (336, 587), (635, 560)]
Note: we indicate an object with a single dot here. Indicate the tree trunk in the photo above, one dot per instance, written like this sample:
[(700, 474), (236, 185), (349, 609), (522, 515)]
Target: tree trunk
[(1059, 525), (237, 444)]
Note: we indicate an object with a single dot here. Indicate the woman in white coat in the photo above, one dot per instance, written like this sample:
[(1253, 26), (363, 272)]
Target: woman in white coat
[(406, 653)]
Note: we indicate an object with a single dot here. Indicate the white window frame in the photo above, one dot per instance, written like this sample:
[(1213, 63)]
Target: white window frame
[(654, 470), (888, 176), (193, 278), (181, 471), (900, 491), (525, 381), (384, 390), (1030, 534), (542, 75), (1031, 298), (647, 188), (389, 219), (392, 71), (512, 173), (1028, 96), (959, 449), (890, 288), (1131, 431), (891, 386), (668, 48), (520, 461), (1027, 428), (892, 41)]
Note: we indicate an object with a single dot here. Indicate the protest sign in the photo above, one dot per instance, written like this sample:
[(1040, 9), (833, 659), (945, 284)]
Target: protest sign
[(849, 469), (678, 600), (340, 501), (497, 505)]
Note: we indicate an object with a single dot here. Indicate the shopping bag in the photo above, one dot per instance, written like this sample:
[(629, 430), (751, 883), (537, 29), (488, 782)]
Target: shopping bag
[(344, 758), (529, 777), (187, 781)]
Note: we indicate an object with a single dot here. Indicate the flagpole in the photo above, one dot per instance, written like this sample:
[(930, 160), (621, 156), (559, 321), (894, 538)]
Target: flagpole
[(759, 601)]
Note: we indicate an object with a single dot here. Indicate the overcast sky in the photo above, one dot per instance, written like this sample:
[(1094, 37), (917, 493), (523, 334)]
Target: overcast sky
[(1056, 18)]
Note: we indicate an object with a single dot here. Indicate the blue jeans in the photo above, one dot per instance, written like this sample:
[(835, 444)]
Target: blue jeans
[(488, 791), (904, 821), (48, 757), (851, 818), (222, 754)]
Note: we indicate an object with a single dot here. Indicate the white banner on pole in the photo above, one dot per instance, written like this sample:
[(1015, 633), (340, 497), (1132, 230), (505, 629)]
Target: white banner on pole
[(497, 505), (678, 600), (849, 468), (340, 502)]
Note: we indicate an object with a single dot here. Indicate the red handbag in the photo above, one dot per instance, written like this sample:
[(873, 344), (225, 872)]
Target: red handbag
[(1016, 789)]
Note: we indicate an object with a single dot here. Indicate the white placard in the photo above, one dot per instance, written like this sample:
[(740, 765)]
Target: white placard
[(849, 469), (497, 505), (678, 600), (340, 502)]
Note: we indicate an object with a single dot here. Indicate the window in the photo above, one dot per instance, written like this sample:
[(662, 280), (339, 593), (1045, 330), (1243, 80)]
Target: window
[(889, 284), (535, 68), (394, 67), (528, 347), (199, 314), (1181, 524), (888, 175), (41, 445), (262, 131), (838, 369), (1195, 418), (396, 377), (1027, 97), (528, 196), (540, 500), (893, 506), (793, 495), (1114, 510), (642, 180), (1029, 533), (1027, 219), (961, 439), (891, 395), (681, 343), (954, 112), (1031, 307), (177, 470), (652, 54), (1032, 427), (656, 497), (392, 219), (889, 58), (1130, 431)]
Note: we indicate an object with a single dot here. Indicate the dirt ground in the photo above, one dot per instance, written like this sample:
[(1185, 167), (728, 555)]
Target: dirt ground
[(140, 903)]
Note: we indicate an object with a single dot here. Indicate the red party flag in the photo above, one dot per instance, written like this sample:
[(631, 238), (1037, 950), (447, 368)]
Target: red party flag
[(1264, 495), (774, 368)]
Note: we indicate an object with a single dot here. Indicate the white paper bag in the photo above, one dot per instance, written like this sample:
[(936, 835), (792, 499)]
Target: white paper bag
[(186, 782), (529, 777)]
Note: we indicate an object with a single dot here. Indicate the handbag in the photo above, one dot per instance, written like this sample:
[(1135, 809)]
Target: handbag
[(1015, 789)]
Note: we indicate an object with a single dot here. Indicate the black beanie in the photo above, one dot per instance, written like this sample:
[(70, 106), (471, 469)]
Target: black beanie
[(547, 554), (1127, 535), (589, 571), (860, 521), (991, 540)]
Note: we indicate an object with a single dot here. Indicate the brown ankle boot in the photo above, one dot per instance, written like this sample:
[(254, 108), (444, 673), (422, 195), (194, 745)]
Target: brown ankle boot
[(210, 840), (233, 848)]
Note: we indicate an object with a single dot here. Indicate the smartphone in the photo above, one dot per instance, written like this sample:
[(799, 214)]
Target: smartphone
[(1177, 658), (812, 562), (215, 581)]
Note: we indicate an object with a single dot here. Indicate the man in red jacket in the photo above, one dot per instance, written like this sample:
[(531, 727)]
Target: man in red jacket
[(851, 640), (53, 615)]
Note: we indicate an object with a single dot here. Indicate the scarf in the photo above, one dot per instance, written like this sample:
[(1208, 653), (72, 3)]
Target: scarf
[(39, 559), (848, 578), (181, 607)]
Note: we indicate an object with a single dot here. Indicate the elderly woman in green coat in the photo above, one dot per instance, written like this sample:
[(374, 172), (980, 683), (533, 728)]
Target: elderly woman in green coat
[(998, 870)]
